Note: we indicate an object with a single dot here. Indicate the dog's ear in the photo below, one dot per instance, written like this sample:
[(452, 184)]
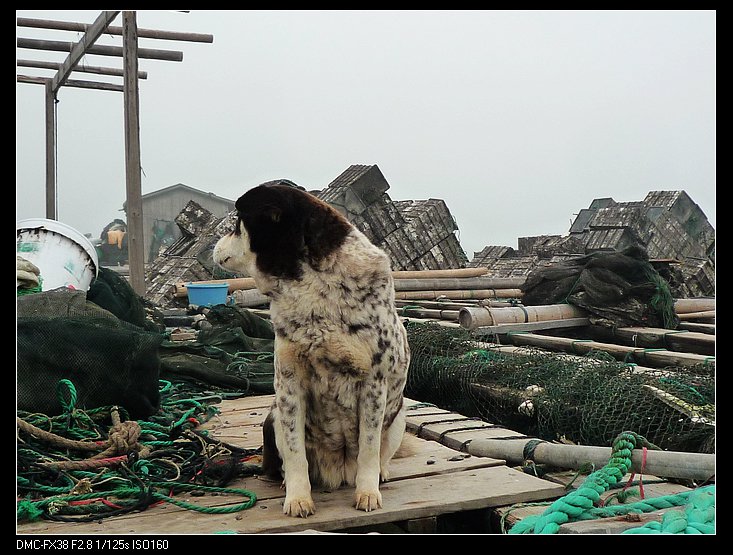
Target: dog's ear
[(324, 230), (274, 224), (273, 213)]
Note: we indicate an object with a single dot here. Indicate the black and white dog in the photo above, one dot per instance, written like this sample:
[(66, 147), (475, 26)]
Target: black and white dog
[(341, 351)]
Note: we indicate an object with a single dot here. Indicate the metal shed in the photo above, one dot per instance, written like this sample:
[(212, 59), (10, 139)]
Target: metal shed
[(161, 207)]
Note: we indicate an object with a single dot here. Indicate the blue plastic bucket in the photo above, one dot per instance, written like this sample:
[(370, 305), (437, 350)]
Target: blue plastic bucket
[(207, 294)]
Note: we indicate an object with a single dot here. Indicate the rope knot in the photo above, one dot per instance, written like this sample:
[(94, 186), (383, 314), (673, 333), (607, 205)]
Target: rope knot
[(123, 438)]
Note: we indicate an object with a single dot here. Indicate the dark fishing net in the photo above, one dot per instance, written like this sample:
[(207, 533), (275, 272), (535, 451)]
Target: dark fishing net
[(111, 291), (618, 289), (587, 400), (236, 352), (62, 335)]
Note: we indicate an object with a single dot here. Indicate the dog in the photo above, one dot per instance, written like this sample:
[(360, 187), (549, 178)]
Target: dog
[(341, 350)]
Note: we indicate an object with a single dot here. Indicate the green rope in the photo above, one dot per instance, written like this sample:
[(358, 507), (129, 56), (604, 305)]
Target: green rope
[(566, 300), (662, 301), (577, 504), (33, 510), (173, 465), (697, 517), (28, 290)]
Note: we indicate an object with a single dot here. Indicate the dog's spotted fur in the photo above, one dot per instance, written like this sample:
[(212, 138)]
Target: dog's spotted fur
[(341, 352)]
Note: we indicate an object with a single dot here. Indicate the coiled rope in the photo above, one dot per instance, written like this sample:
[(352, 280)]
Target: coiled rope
[(139, 463)]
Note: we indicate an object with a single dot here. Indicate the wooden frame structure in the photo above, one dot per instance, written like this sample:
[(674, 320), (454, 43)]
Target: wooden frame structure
[(130, 54)]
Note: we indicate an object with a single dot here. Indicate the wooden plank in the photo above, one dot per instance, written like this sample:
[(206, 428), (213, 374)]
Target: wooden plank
[(402, 500), (460, 440), (416, 421), (457, 435)]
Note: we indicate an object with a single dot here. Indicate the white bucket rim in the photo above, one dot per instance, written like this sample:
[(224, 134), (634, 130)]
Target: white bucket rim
[(67, 231)]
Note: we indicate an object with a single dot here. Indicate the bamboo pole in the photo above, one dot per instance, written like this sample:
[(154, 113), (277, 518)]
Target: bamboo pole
[(429, 284), (474, 317), (501, 329), (665, 464), (675, 340), (695, 304), (704, 315), (458, 294), (448, 273), (409, 311), (652, 357), (398, 275), (446, 305), (696, 326), (249, 298)]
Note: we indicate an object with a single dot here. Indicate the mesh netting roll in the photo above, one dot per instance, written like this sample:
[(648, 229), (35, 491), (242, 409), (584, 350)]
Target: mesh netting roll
[(588, 400)]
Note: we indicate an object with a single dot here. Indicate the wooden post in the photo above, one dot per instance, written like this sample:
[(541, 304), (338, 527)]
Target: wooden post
[(51, 213), (133, 180)]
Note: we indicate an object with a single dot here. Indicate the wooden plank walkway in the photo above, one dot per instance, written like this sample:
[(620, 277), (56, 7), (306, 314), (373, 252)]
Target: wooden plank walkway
[(433, 480)]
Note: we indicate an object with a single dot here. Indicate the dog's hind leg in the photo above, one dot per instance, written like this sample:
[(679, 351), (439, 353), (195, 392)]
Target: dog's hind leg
[(391, 441)]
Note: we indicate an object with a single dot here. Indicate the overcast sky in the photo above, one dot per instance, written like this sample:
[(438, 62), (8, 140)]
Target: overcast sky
[(517, 119)]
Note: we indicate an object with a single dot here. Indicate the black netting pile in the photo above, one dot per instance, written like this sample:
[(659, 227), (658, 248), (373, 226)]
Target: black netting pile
[(111, 291), (62, 335), (113, 347), (616, 288), (588, 400)]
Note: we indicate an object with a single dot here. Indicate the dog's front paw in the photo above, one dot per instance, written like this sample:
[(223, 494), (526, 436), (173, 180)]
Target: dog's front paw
[(368, 500), (299, 506)]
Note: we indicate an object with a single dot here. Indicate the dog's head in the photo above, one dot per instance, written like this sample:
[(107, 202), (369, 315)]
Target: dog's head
[(279, 228)]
